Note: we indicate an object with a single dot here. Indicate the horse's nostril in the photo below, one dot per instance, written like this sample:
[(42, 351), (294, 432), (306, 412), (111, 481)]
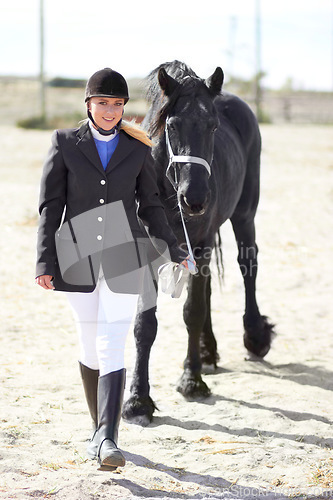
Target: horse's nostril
[(195, 208)]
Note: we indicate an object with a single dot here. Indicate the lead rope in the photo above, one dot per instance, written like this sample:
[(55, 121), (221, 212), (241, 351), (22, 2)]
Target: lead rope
[(191, 266)]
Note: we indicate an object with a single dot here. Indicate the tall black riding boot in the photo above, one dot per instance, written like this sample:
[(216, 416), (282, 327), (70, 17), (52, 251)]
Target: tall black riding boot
[(110, 400), (90, 384)]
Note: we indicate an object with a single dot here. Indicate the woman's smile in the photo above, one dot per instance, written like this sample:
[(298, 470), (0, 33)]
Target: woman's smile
[(108, 119)]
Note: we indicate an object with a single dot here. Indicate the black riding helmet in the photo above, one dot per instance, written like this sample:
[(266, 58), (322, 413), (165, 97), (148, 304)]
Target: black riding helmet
[(106, 83)]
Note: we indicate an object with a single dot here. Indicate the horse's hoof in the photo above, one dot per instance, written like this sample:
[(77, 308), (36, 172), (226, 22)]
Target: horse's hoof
[(253, 357), (142, 420), (208, 369), (258, 337), (138, 410), (209, 357), (193, 388)]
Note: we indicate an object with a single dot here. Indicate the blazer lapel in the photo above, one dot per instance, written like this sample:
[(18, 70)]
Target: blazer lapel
[(88, 147), (123, 149)]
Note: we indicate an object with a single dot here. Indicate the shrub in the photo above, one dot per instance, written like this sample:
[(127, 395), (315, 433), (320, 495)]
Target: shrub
[(55, 122)]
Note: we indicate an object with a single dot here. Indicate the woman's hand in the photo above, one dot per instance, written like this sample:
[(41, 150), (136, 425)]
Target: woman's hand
[(45, 281), (192, 268)]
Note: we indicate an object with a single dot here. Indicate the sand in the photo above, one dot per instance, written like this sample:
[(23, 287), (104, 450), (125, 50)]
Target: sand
[(267, 428)]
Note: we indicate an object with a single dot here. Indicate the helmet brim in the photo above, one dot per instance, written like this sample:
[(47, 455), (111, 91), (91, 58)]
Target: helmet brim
[(126, 99)]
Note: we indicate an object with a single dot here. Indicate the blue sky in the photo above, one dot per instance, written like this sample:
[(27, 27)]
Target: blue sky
[(134, 37)]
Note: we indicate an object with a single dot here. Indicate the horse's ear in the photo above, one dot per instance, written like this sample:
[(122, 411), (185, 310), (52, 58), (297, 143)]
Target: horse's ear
[(215, 82), (167, 83)]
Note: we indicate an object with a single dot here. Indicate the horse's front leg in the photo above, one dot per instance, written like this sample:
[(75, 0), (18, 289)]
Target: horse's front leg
[(208, 345), (191, 385), (139, 408), (258, 331)]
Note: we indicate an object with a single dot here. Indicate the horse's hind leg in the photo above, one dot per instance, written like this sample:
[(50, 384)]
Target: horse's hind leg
[(258, 331)]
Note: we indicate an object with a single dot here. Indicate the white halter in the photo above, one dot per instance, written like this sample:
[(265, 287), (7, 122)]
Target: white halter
[(181, 159)]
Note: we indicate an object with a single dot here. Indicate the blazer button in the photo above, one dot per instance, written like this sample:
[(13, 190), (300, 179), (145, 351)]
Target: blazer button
[(99, 219), (99, 237), (103, 182), (101, 201)]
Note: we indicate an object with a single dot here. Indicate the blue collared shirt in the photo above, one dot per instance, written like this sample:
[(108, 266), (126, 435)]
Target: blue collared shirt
[(106, 149), (106, 145)]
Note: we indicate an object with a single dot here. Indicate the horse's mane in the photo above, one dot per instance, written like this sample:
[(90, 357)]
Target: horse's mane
[(182, 74)]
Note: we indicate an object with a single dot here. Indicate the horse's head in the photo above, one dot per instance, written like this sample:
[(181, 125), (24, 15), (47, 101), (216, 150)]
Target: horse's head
[(190, 120)]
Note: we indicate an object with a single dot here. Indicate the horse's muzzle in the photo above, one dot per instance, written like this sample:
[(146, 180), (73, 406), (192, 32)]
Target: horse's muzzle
[(193, 207)]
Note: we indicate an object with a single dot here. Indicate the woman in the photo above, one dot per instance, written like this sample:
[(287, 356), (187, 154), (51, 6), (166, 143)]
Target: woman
[(98, 187)]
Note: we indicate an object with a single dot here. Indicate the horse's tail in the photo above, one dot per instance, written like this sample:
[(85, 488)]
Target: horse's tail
[(219, 257)]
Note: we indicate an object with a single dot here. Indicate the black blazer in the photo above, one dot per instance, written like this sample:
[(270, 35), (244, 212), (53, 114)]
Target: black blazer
[(91, 217)]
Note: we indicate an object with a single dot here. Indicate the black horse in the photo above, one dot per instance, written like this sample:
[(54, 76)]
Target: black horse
[(200, 121)]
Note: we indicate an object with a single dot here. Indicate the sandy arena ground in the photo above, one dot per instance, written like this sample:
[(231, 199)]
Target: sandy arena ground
[(267, 428)]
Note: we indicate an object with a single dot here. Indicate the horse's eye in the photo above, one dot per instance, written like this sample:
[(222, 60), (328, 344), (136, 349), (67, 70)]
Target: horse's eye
[(211, 125)]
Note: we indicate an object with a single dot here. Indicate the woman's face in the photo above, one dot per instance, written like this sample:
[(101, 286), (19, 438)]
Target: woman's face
[(106, 111)]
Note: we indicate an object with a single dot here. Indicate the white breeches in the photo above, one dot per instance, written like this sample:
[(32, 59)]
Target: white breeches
[(103, 319)]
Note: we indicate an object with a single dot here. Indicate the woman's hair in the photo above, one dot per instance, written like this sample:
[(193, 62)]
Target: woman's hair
[(132, 129)]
